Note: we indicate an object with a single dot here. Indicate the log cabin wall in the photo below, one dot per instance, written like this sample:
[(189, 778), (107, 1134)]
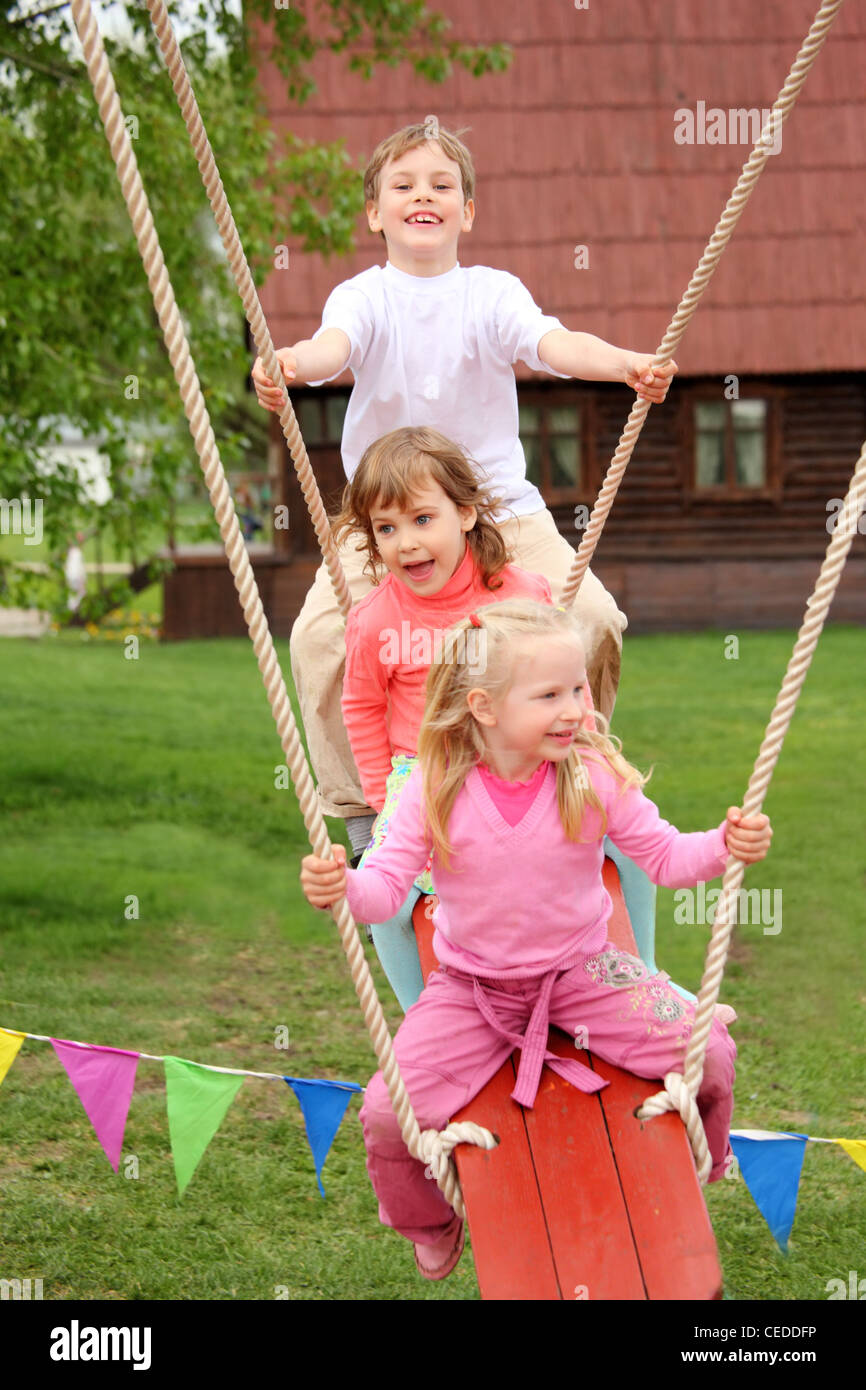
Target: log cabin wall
[(673, 559), (816, 441), (575, 148), (673, 556)]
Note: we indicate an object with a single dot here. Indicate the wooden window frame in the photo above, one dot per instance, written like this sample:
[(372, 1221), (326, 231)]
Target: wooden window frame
[(320, 396), (326, 462), (534, 395), (736, 494)]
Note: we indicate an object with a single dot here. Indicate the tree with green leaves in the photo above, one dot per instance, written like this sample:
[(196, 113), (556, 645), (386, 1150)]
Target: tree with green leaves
[(81, 348)]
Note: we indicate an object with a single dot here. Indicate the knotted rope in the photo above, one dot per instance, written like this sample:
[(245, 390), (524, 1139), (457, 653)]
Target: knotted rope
[(437, 1145), (680, 1091), (247, 291), (752, 170), (194, 407)]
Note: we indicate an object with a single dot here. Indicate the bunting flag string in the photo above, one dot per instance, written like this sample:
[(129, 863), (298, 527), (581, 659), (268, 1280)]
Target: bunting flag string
[(198, 1095), (10, 1042), (196, 1100), (771, 1169), (854, 1148), (771, 1163), (322, 1109), (103, 1078)]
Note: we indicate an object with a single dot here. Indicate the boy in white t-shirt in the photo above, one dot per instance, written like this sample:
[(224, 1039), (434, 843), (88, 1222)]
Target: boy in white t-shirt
[(431, 342)]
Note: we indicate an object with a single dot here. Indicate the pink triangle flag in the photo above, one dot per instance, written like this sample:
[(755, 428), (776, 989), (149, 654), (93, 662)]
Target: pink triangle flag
[(103, 1078)]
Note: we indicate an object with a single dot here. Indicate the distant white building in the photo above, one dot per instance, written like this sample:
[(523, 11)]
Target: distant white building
[(75, 451)]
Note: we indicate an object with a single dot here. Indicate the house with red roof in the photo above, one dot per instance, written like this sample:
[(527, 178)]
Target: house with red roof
[(604, 157)]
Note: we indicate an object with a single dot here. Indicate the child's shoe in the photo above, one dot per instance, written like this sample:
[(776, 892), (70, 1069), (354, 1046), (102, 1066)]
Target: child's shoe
[(437, 1261)]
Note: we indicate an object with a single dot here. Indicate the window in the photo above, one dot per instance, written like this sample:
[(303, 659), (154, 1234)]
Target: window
[(550, 432), (321, 417), (731, 446)]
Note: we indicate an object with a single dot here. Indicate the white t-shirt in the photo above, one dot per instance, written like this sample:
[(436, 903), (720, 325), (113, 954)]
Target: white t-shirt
[(439, 351)]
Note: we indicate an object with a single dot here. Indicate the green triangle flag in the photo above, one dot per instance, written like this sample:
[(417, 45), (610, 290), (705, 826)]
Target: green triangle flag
[(196, 1100)]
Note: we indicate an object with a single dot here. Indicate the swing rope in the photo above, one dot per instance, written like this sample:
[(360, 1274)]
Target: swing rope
[(680, 1090), (246, 289), (751, 172), (428, 1146)]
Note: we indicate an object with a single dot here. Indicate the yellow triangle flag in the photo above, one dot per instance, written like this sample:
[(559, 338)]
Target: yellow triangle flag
[(856, 1149), (9, 1045)]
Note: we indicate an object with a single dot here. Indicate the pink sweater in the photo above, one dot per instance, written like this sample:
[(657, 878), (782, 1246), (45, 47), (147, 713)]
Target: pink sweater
[(392, 636), (522, 900)]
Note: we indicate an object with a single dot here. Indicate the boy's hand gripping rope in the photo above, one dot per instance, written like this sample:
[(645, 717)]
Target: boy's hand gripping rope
[(425, 1147), (752, 170)]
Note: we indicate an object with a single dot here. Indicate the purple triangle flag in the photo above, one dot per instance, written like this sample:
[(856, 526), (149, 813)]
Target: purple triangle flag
[(103, 1078), (323, 1105), (771, 1169)]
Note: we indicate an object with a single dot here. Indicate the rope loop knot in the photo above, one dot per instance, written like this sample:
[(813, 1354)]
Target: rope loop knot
[(677, 1097), (436, 1147)]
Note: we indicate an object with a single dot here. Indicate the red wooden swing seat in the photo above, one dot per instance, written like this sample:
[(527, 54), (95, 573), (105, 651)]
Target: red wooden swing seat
[(581, 1200)]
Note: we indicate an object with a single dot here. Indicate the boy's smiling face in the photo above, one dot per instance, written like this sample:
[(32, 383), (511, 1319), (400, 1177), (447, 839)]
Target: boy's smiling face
[(421, 210)]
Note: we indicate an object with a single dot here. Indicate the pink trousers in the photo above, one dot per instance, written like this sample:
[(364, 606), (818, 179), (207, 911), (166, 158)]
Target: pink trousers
[(448, 1048)]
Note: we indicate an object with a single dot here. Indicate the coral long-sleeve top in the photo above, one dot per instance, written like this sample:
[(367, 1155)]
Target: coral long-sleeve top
[(392, 637)]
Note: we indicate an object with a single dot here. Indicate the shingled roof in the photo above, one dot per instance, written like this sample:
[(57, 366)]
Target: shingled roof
[(574, 145)]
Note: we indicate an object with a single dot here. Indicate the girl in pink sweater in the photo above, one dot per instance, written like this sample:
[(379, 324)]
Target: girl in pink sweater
[(424, 518), (512, 798)]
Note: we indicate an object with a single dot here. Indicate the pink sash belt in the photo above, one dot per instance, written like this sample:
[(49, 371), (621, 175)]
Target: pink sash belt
[(534, 1051)]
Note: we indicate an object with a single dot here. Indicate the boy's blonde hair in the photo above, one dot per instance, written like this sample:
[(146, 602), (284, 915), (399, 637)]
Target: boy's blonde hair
[(391, 472), (409, 138), (451, 741)]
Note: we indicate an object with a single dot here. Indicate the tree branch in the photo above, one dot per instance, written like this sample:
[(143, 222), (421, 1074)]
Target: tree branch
[(21, 61), (36, 14)]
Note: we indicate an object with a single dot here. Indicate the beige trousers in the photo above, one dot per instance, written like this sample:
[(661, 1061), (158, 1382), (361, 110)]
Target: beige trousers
[(318, 649)]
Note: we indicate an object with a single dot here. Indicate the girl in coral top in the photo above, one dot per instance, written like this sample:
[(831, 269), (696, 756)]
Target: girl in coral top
[(424, 517), (512, 798)]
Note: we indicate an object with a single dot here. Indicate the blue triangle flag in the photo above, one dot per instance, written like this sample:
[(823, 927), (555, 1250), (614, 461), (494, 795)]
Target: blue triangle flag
[(323, 1105), (771, 1169)]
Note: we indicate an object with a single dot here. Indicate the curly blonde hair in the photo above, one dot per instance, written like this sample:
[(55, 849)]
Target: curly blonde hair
[(451, 741)]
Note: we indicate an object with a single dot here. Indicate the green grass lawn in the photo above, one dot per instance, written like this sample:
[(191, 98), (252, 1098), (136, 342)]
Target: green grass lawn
[(155, 778)]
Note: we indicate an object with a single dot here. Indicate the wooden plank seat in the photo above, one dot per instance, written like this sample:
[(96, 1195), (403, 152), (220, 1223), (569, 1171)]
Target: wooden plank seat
[(581, 1200)]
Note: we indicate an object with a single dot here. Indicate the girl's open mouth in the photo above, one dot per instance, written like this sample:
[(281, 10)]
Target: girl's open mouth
[(565, 737), (420, 571)]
